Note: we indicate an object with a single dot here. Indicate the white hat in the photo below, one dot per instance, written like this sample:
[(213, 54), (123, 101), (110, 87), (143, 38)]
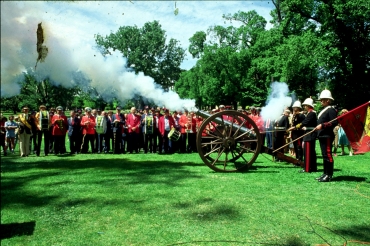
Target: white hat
[(297, 104), (88, 109), (325, 94), (308, 102)]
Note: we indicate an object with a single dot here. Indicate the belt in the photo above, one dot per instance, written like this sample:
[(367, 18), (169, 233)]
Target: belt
[(279, 127)]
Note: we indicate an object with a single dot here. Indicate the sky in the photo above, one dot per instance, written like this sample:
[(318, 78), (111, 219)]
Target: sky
[(69, 30)]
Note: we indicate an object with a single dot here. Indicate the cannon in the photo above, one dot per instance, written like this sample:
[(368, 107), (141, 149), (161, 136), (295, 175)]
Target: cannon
[(229, 141)]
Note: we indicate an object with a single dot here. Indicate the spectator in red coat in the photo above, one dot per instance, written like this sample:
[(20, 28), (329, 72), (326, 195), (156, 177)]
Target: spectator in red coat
[(165, 125), (88, 131), (133, 123), (60, 127)]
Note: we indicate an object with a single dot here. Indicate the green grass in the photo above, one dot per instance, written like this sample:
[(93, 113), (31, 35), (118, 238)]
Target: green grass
[(177, 200)]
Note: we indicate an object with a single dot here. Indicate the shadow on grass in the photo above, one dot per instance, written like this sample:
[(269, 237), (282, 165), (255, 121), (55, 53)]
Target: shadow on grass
[(17, 229), (357, 233), (18, 177), (349, 178)]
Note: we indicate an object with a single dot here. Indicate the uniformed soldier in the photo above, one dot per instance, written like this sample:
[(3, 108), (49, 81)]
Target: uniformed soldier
[(326, 123)]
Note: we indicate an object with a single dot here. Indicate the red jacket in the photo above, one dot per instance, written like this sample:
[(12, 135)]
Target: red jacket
[(183, 120), (161, 123), (60, 125), (90, 128), (133, 121)]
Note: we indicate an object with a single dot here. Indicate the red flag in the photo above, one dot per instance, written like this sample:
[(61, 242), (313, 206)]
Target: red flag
[(356, 124)]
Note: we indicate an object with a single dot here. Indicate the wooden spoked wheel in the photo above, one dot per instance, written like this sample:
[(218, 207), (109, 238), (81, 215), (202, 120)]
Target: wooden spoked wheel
[(228, 141)]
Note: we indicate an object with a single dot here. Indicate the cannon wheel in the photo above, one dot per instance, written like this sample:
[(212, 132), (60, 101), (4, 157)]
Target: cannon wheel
[(228, 141)]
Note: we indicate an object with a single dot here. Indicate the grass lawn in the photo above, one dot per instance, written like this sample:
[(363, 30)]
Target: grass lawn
[(177, 200)]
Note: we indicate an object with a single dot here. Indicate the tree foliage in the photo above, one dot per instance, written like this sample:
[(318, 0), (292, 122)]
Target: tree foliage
[(146, 51), (313, 45)]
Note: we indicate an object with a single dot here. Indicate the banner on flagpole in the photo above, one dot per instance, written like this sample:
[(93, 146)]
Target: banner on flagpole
[(356, 124)]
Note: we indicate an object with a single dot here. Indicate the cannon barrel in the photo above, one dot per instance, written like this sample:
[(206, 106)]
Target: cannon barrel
[(236, 127)]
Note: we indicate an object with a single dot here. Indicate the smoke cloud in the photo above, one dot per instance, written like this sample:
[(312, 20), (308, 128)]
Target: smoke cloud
[(72, 60), (277, 101)]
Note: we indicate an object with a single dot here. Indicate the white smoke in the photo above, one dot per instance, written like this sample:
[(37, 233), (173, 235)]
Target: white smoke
[(72, 59), (277, 101)]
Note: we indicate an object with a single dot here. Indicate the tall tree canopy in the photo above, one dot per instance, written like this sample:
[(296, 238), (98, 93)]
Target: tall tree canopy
[(313, 44), (147, 51)]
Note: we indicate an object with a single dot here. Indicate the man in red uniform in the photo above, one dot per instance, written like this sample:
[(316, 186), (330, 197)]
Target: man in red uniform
[(165, 125), (307, 125), (88, 131), (188, 127), (133, 124), (118, 124), (157, 137), (60, 126), (325, 132)]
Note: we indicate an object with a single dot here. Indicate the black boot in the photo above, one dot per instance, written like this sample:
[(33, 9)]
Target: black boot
[(326, 178), (321, 176)]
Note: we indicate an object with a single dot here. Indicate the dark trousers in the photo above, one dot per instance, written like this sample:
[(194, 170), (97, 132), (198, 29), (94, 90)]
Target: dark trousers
[(117, 142), (298, 149), (58, 144), (46, 135), (51, 141), (192, 144), (133, 142), (310, 156), (174, 145), (96, 143), (148, 143), (107, 138), (157, 141), (269, 140), (326, 146), (86, 139), (64, 150), (183, 140), (166, 142), (74, 143), (33, 141), (279, 142)]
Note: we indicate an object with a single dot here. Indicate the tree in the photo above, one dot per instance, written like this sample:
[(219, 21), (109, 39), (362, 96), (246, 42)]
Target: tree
[(225, 61), (344, 27), (147, 51)]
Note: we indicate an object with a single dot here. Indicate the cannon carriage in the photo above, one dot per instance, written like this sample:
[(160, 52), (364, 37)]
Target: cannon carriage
[(229, 141)]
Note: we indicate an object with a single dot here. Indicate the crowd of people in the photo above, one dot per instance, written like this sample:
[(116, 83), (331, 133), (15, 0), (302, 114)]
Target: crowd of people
[(157, 130)]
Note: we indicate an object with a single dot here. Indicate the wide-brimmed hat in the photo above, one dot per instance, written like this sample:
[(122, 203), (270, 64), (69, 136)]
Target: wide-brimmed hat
[(42, 106)]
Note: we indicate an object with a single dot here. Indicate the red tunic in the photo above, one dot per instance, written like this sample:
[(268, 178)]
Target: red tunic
[(89, 128), (183, 120), (161, 124), (133, 121), (60, 125)]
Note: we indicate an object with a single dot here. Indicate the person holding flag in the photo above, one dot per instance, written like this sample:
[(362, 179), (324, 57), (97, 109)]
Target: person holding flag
[(325, 132)]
